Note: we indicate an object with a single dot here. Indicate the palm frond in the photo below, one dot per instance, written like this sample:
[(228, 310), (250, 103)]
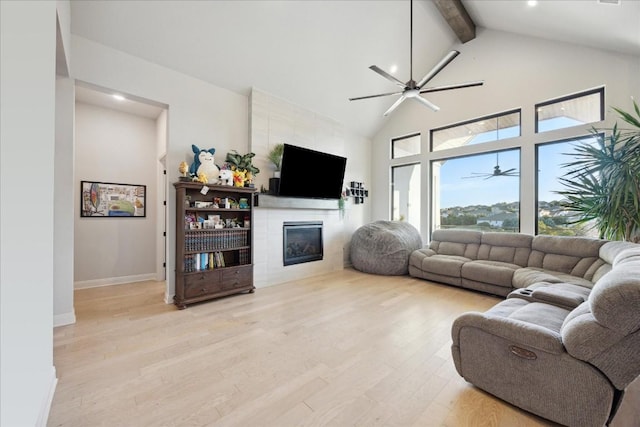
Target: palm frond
[(602, 181)]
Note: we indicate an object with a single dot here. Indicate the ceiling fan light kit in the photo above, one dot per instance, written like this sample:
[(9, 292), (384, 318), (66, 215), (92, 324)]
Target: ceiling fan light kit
[(411, 89)]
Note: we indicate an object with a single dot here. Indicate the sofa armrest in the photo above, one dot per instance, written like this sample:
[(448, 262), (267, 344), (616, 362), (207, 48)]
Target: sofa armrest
[(561, 297), (565, 295), (518, 331)]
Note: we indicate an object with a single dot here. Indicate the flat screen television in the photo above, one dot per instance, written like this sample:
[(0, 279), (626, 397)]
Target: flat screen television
[(309, 173)]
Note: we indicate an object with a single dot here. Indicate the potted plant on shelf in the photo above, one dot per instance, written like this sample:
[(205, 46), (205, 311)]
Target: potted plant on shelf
[(275, 157), (243, 163), (603, 183)]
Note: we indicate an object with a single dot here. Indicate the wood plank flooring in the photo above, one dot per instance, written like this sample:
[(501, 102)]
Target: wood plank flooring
[(343, 349)]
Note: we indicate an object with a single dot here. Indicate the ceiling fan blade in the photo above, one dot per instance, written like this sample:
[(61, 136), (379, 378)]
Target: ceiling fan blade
[(439, 66), (454, 86), (507, 171), (387, 76), (429, 104), (395, 105), (374, 96)]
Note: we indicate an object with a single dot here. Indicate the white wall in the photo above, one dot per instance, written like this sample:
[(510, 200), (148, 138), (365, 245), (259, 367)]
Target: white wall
[(275, 121), (27, 133), (199, 113), (518, 72), (63, 310), (112, 146), (161, 207)]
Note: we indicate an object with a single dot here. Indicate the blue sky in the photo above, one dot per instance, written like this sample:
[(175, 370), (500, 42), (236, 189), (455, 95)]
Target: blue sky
[(457, 190)]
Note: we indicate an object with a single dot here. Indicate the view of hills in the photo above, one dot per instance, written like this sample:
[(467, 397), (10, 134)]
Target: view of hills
[(553, 218)]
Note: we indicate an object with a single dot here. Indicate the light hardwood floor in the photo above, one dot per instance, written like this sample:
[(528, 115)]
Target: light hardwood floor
[(343, 349)]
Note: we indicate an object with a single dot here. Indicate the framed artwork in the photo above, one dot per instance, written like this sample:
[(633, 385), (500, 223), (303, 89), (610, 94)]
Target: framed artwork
[(108, 199)]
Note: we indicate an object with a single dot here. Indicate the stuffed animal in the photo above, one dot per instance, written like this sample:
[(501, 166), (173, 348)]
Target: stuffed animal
[(202, 177), (204, 162), (225, 177), (239, 176)]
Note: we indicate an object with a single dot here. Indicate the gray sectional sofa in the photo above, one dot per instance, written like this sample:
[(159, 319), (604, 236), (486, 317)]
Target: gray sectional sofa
[(565, 343)]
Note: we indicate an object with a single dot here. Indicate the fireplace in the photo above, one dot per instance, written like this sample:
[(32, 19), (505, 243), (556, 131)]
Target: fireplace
[(302, 242)]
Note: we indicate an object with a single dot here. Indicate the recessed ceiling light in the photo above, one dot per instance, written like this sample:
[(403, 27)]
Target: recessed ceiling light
[(118, 97), (532, 3), (393, 69)]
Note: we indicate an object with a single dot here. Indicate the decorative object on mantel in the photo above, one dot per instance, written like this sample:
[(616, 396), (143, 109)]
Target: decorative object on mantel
[(242, 167), (357, 191), (275, 157), (203, 163), (341, 203)]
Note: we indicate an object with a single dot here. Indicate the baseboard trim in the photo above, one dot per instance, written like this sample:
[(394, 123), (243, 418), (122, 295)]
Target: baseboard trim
[(64, 319), (113, 281), (168, 299), (43, 416)]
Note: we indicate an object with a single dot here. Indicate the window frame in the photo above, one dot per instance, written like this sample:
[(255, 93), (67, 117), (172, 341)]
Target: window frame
[(599, 90), (400, 138), (478, 119), (392, 185)]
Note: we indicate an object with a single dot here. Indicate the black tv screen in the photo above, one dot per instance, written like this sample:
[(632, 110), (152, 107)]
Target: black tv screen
[(310, 173)]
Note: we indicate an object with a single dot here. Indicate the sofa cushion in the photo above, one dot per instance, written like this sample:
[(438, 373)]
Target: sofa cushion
[(494, 272), (505, 247), (446, 265), (524, 277), (565, 254), (463, 243), (615, 299), (611, 351)]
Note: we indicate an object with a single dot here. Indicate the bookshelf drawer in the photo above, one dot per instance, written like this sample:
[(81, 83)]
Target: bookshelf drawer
[(237, 277), (201, 283)]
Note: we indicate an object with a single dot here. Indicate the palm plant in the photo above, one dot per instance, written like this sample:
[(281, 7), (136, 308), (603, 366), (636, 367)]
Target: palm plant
[(275, 155), (603, 181)]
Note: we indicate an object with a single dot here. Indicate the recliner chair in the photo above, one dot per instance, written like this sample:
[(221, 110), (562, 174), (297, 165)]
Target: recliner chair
[(568, 365)]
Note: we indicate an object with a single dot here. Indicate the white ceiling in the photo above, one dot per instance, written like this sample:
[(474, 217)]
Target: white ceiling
[(316, 53)]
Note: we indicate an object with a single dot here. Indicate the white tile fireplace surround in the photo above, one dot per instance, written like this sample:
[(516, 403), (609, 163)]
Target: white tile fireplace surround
[(269, 268)]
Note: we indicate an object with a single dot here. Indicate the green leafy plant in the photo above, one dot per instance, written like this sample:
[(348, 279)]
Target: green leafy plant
[(603, 182), (275, 155), (242, 162)]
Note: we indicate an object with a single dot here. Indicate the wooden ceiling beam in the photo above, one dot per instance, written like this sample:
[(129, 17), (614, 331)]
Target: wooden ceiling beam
[(458, 19)]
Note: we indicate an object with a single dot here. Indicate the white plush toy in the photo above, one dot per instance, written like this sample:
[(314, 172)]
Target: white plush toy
[(225, 177), (204, 163)]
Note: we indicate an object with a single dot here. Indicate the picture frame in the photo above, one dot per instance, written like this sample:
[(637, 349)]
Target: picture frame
[(112, 200)]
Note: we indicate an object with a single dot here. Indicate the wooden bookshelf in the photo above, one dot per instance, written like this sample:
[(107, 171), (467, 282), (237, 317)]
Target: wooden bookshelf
[(214, 256)]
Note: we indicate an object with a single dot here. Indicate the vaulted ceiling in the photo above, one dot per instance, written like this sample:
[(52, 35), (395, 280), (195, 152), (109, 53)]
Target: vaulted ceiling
[(316, 53)]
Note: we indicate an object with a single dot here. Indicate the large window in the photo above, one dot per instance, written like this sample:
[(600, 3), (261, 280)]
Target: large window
[(572, 110), (405, 194), (486, 129), (552, 218), (475, 167), (478, 192)]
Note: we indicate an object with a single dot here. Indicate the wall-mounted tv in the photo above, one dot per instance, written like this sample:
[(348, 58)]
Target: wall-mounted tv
[(310, 173)]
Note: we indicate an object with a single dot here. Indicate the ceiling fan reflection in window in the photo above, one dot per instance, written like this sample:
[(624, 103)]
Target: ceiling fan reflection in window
[(496, 172), (411, 89)]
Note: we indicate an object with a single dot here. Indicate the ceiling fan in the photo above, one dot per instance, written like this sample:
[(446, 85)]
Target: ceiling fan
[(496, 172), (411, 89)]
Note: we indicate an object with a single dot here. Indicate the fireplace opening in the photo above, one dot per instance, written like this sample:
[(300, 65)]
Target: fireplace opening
[(302, 242)]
